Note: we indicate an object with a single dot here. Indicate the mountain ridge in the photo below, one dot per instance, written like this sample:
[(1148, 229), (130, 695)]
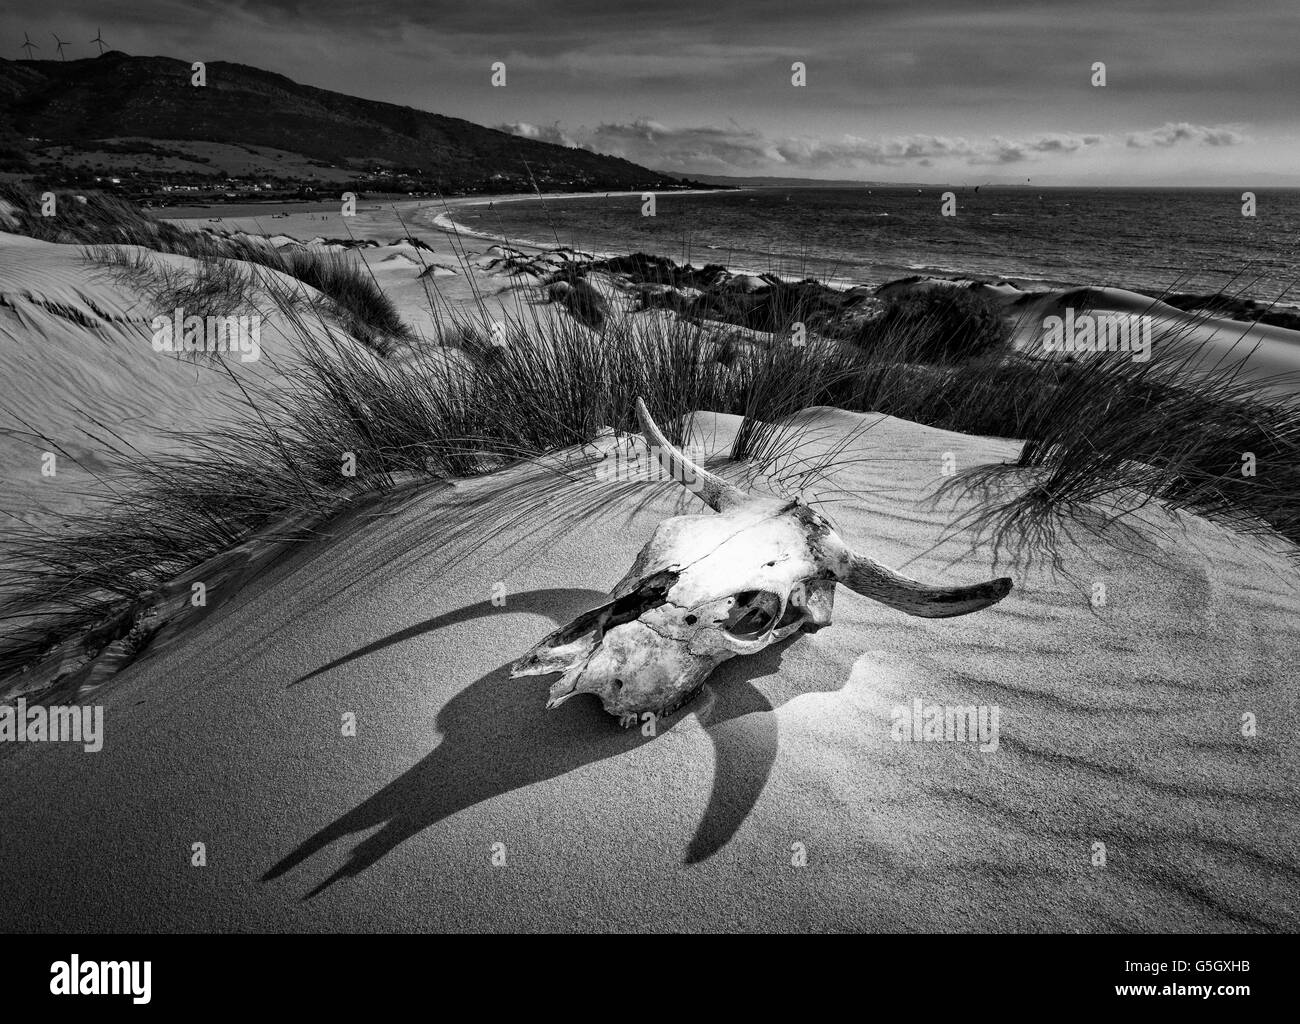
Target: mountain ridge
[(50, 105)]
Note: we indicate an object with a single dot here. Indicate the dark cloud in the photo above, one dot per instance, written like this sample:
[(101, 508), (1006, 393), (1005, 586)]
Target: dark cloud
[(713, 148)]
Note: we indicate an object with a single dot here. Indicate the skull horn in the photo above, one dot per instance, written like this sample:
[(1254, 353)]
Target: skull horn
[(871, 579), (715, 492)]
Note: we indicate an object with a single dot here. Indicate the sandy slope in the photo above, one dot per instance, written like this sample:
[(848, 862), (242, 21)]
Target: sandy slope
[(1119, 725), (445, 278), (78, 365)]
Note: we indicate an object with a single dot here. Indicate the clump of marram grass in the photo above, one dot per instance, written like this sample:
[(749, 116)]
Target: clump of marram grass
[(99, 221), (224, 268), (1180, 432), (217, 287), (581, 300), (365, 311), (774, 307), (87, 218), (945, 324)]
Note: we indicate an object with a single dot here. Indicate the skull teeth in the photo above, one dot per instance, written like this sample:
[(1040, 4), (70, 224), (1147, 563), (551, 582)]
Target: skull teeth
[(633, 718)]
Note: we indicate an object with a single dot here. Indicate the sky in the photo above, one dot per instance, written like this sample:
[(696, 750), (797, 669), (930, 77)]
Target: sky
[(942, 91)]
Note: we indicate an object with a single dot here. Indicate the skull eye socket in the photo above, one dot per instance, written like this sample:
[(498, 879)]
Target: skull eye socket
[(752, 614)]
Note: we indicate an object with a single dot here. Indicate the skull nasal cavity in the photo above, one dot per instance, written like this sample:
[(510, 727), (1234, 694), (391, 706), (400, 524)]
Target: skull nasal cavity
[(752, 614)]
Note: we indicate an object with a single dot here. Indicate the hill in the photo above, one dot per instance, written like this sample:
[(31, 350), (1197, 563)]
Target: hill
[(141, 120)]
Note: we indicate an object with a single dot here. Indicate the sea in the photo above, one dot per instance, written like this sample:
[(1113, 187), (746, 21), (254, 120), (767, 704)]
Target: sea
[(1157, 240)]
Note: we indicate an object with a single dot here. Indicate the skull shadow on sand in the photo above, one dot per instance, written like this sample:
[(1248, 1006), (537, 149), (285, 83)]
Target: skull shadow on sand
[(497, 737)]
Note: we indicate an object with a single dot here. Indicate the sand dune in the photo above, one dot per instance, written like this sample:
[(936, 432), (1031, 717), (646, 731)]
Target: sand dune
[(1258, 352), (1119, 725), (78, 364), (94, 363)]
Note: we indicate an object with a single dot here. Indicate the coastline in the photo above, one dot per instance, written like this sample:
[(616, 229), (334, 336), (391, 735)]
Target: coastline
[(444, 222), (240, 211)]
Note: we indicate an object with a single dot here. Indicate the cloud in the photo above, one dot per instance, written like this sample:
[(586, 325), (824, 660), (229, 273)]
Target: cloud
[(543, 133), (719, 149), (699, 148), (1171, 134)]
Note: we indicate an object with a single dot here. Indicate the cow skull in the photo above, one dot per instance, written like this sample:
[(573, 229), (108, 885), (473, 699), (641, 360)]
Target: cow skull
[(709, 587)]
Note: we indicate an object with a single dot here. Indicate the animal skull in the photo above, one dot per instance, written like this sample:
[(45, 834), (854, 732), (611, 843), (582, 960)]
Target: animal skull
[(709, 587)]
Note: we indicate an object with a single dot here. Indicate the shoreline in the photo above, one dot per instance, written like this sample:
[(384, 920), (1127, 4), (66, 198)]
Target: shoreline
[(240, 211), (445, 223)]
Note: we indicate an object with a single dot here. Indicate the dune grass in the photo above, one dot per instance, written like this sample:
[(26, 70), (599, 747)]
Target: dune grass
[(489, 392), (89, 218), (216, 287), (938, 325), (101, 221), (361, 307), (1116, 436)]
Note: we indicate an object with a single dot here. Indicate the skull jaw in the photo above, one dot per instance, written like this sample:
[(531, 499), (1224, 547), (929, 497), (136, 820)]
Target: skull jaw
[(678, 672), (635, 669)]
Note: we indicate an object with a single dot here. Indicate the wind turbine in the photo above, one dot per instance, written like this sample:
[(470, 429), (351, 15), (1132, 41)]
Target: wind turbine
[(99, 38), (28, 45), (60, 47)]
